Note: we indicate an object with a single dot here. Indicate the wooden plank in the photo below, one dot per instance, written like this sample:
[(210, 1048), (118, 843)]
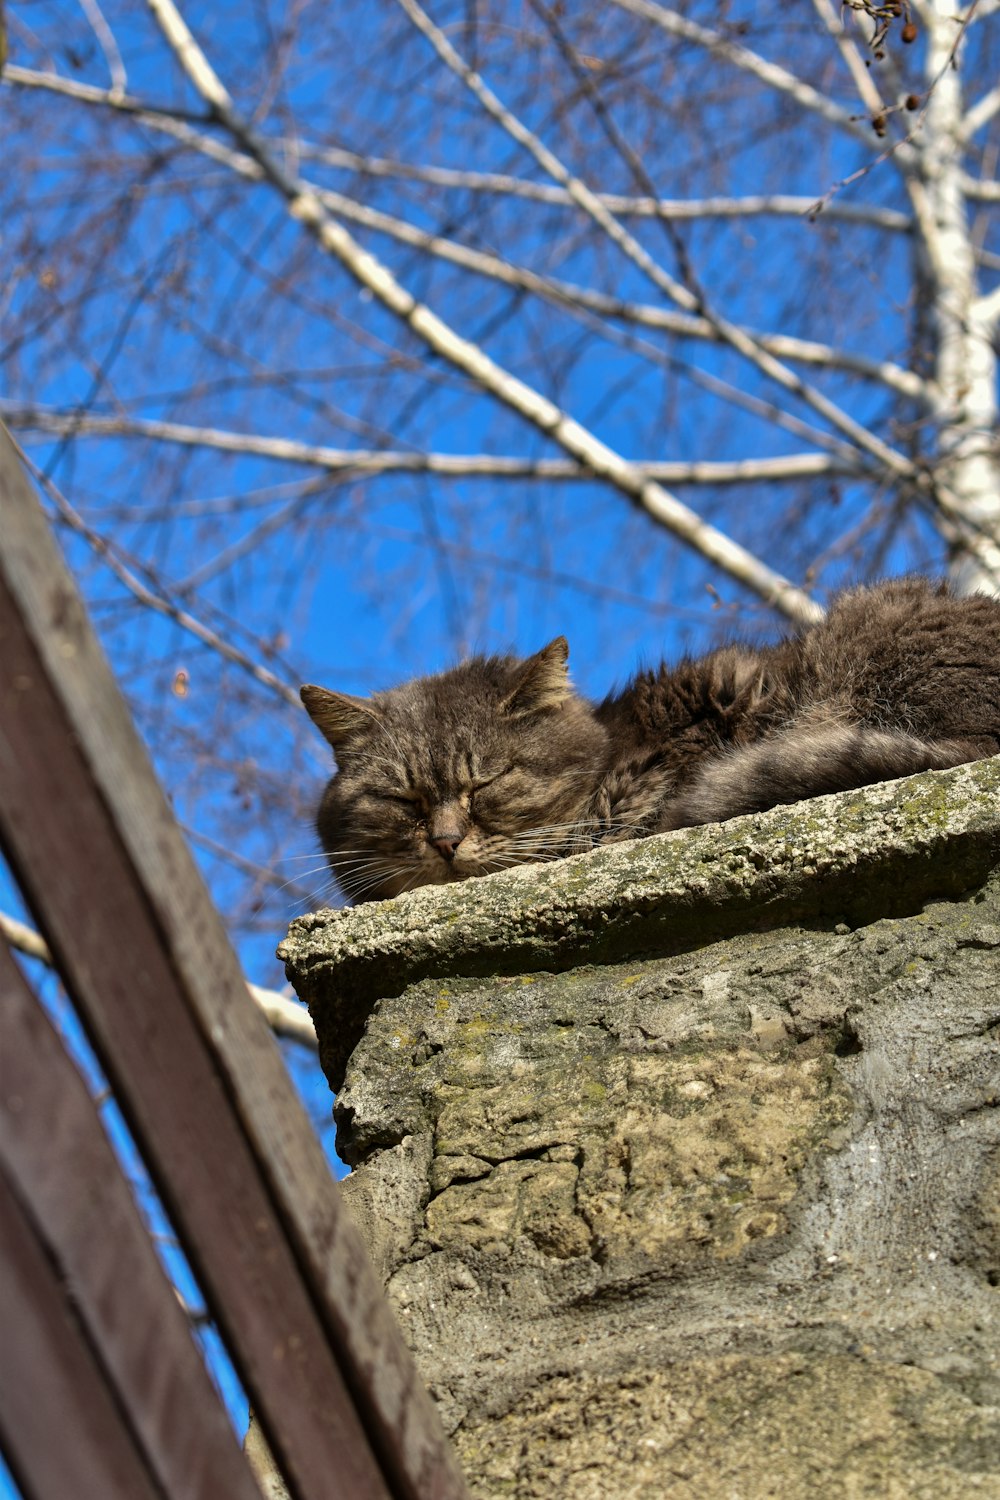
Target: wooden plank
[(54, 1150), (61, 1432), (79, 881), (166, 1006)]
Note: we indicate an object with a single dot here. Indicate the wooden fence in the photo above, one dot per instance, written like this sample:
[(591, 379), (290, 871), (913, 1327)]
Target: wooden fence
[(103, 1392)]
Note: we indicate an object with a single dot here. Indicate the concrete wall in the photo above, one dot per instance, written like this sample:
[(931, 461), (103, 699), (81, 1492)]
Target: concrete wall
[(681, 1160)]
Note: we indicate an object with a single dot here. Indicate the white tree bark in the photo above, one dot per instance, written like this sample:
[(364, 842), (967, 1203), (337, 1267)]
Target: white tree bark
[(963, 401)]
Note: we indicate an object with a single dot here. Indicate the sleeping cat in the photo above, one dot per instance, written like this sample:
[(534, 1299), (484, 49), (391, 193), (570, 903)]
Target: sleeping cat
[(499, 761)]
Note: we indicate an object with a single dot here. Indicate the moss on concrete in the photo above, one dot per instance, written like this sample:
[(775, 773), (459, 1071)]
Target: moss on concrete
[(880, 851), (680, 1160)]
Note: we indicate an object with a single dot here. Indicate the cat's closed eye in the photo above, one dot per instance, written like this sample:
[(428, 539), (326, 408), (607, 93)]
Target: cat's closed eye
[(488, 780), (407, 799)]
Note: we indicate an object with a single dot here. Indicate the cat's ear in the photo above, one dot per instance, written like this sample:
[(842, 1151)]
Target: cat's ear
[(544, 680), (336, 715)]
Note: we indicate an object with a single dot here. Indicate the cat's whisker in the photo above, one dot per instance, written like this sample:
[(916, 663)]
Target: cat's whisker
[(498, 862), (411, 882), (371, 851), (358, 893), (527, 857), (526, 846), (568, 826), (347, 864), (358, 864), (315, 898), (578, 837), (376, 872), (382, 870), (357, 869), (287, 859), (561, 840), (336, 856), (319, 862), (293, 883)]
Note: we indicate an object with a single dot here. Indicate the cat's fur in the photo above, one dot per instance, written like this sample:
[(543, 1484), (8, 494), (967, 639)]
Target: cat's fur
[(499, 761)]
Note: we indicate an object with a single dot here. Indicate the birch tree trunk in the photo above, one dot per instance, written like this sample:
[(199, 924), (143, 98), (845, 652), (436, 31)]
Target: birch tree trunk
[(963, 391)]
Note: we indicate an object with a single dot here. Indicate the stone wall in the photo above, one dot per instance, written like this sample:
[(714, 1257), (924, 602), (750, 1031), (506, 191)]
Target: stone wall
[(681, 1160)]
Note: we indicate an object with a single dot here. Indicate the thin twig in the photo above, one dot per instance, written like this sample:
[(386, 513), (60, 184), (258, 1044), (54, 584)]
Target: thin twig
[(104, 549), (771, 74), (561, 293), (360, 462), (106, 41), (604, 462), (623, 205), (285, 1017), (682, 295), (981, 113)]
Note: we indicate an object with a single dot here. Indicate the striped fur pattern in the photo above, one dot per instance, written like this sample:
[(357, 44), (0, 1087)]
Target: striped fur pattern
[(499, 761)]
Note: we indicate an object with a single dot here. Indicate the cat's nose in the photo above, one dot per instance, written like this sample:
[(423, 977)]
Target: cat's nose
[(446, 844)]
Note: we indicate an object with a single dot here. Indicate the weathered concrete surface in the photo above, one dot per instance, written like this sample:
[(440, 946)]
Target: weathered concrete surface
[(704, 1199), (882, 850)]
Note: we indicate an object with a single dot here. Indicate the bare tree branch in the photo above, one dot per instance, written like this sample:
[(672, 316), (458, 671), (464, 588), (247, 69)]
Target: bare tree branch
[(88, 93), (987, 308), (108, 45), (562, 293), (863, 82), (690, 301), (771, 74), (979, 10), (25, 939), (285, 1016), (544, 414), (358, 462), (156, 601), (901, 152), (982, 190), (981, 113), (569, 295), (565, 294), (623, 205)]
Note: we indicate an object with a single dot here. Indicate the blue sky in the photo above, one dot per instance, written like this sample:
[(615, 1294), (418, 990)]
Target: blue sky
[(150, 283)]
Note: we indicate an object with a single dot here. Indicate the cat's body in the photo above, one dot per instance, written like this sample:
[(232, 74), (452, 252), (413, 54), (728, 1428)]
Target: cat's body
[(499, 761)]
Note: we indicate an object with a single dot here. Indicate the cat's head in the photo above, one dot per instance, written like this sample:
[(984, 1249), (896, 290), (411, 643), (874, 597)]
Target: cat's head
[(481, 767)]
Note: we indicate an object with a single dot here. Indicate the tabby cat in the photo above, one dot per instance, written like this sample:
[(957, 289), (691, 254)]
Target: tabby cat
[(499, 761)]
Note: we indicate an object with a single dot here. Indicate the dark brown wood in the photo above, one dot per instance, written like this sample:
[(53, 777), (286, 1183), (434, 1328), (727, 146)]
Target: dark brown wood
[(78, 879), (54, 1150), (61, 1431), (141, 948)]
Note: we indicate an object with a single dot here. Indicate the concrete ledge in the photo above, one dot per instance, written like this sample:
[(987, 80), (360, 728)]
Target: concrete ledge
[(680, 1160), (878, 852)]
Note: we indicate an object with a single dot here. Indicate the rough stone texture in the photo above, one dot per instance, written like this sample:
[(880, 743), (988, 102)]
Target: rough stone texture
[(681, 1160)]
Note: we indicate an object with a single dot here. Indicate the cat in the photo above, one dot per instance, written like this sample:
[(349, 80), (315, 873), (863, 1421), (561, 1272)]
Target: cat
[(499, 761)]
